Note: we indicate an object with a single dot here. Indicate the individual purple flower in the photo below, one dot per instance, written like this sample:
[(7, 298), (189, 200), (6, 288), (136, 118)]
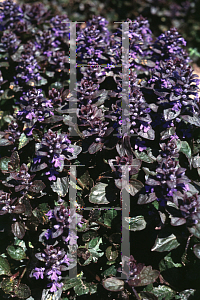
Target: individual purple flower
[(39, 273)]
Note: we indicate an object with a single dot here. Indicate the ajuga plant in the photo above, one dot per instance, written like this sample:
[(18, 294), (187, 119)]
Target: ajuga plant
[(121, 149)]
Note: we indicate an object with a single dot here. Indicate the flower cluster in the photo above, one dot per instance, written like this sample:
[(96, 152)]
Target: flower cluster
[(56, 261), (168, 46), (64, 221), (170, 180), (9, 43), (93, 40), (35, 108), (27, 69), (51, 153), (10, 13)]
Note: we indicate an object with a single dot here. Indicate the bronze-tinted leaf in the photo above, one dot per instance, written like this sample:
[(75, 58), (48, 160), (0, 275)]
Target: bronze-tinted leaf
[(18, 229)]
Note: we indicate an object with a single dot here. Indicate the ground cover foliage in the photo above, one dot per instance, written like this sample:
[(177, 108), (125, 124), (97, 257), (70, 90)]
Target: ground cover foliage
[(153, 136)]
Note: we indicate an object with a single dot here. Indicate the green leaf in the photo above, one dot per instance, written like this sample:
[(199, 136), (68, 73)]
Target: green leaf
[(195, 230), (135, 223), (110, 254), (60, 186), (196, 250), (82, 289), (143, 156), (4, 163), (4, 266), (86, 180), (71, 282), (22, 291), (167, 263), (41, 211), (134, 186), (8, 285), (113, 284), (165, 292), (93, 247), (145, 277), (16, 252), (185, 295), (23, 141), (185, 148), (147, 296), (112, 271), (109, 216), (165, 244), (98, 194)]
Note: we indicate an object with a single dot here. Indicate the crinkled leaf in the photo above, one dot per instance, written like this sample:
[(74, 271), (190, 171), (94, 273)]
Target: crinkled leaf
[(41, 211), (185, 295), (109, 216), (113, 284), (195, 120), (5, 142), (134, 186), (22, 291), (4, 266), (4, 164), (163, 291), (144, 199), (37, 186), (195, 230), (86, 180), (196, 250), (8, 285), (167, 263), (112, 271), (143, 156), (167, 133), (149, 135), (18, 229), (16, 252), (165, 244), (196, 161), (38, 167), (170, 114), (185, 148), (82, 289), (71, 282), (93, 246), (23, 141), (135, 223), (175, 221), (47, 295), (147, 296), (95, 147), (98, 194), (145, 277), (60, 186), (110, 254)]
